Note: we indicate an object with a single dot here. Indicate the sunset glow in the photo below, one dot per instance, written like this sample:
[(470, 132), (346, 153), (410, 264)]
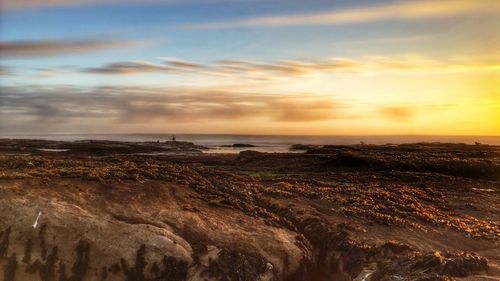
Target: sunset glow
[(250, 67)]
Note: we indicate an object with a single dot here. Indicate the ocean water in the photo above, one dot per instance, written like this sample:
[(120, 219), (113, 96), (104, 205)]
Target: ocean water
[(266, 143)]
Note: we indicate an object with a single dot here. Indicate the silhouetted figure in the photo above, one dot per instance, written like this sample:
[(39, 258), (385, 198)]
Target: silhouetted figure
[(173, 138)]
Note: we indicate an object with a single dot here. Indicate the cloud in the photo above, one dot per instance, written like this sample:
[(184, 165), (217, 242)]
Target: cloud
[(402, 11), (5, 70), (266, 70), (286, 67), (35, 4), (24, 4), (47, 48), (170, 65), (175, 62), (133, 67), (228, 67), (402, 113), (133, 105), (386, 40), (307, 110)]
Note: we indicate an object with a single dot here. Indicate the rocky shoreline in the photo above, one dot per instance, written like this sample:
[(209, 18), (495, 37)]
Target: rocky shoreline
[(117, 211)]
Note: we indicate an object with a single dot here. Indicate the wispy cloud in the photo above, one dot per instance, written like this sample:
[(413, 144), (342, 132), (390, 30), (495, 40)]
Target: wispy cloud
[(133, 67), (385, 40), (132, 105), (47, 48), (227, 67), (180, 63), (287, 67), (294, 68), (24, 4), (31, 4), (169, 65), (416, 10), (4, 70)]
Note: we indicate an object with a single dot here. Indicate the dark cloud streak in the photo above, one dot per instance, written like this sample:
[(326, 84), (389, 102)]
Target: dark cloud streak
[(130, 105), (48, 48), (135, 67), (229, 67)]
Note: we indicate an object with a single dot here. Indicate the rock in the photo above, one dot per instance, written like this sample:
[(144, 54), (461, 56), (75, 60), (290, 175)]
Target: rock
[(238, 145), (437, 266), (82, 237), (303, 146), (209, 217), (248, 155)]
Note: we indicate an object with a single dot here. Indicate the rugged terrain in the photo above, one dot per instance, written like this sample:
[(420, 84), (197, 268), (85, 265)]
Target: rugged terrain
[(167, 211)]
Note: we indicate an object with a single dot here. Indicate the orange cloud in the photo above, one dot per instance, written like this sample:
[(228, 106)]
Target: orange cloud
[(402, 113)]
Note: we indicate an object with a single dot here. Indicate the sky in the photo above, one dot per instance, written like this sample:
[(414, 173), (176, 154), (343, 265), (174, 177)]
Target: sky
[(282, 67)]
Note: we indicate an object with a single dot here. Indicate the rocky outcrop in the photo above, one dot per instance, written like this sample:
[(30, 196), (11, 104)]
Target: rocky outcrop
[(238, 145), (81, 237), (252, 216)]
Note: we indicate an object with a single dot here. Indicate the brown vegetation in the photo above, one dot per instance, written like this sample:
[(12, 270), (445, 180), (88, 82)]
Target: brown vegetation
[(385, 210)]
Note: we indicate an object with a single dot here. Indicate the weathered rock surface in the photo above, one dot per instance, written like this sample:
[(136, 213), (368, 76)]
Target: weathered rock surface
[(96, 236), (255, 216)]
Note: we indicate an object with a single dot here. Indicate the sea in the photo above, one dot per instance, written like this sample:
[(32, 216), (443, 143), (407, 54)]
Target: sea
[(265, 143)]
